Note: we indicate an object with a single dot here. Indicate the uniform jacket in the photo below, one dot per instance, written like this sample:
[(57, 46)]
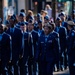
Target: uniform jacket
[(62, 37), (35, 40), (47, 50), (25, 50), (71, 43), (5, 49), (16, 43)]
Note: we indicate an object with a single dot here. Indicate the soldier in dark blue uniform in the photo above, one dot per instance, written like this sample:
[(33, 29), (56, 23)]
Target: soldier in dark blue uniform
[(36, 20), (56, 36), (24, 53), (40, 28), (38, 16), (71, 47), (46, 19), (62, 36), (22, 18), (4, 50), (46, 53), (63, 18), (32, 42), (16, 45)]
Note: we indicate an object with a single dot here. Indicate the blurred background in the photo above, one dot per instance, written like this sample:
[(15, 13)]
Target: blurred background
[(8, 7)]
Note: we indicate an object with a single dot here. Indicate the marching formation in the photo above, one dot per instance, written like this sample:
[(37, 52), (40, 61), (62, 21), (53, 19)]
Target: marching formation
[(35, 44)]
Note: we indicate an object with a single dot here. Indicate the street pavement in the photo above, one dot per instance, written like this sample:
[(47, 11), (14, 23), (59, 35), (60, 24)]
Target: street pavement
[(66, 72)]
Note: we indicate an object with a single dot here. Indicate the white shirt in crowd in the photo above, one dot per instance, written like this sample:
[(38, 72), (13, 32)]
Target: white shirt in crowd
[(49, 11)]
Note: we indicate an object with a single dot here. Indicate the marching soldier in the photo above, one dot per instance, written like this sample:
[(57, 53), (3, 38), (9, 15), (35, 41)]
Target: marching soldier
[(21, 18), (16, 45), (36, 20), (32, 42), (24, 54), (62, 36), (46, 19), (38, 17), (40, 28), (63, 18), (56, 36), (71, 47), (4, 50), (46, 53)]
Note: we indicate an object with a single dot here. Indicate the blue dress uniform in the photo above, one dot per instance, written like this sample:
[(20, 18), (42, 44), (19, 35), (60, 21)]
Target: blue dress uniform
[(71, 48), (47, 54), (38, 16), (56, 36), (36, 26), (71, 52), (32, 42), (62, 36), (40, 32), (22, 20), (16, 36), (24, 52), (40, 29), (23, 61), (4, 51)]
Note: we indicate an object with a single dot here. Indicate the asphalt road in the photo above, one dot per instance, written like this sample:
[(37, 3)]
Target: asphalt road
[(66, 72)]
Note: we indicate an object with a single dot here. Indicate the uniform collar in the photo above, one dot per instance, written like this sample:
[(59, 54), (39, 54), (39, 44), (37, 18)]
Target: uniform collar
[(47, 35), (12, 28)]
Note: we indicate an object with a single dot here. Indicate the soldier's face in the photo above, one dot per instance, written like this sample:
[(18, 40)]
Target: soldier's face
[(58, 23), (45, 21), (21, 19), (40, 25), (11, 22), (23, 28), (69, 28), (46, 30), (30, 27), (62, 18)]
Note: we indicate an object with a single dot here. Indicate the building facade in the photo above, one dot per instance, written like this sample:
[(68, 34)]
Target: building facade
[(8, 7), (14, 6)]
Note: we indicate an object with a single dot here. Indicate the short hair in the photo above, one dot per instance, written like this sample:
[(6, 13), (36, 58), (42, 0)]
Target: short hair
[(47, 25), (30, 12), (53, 25)]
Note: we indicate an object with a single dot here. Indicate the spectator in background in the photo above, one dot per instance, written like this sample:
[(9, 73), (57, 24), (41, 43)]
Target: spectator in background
[(30, 14), (43, 14), (57, 13), (49, 10)]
